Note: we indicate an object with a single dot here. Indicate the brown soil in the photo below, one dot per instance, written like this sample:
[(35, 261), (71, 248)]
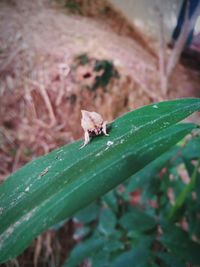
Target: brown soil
[(42, 94)]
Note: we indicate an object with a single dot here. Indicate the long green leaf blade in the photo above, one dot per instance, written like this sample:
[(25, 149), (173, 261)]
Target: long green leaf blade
[(55, 186)]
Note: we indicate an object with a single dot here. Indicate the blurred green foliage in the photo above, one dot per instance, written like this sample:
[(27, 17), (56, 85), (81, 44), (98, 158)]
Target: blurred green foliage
[(139, 223)]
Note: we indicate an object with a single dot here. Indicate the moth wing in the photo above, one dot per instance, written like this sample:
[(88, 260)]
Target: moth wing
[(97, 119), (87, 121)]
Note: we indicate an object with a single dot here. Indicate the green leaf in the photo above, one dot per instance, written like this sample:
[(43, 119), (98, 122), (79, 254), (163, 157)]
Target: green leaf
[(88, 214), (84, 250), (81, 232), (192, 149), (142, 178), (179, 243), (170, 259), (184, 194), (100, 259), (110, 200), (137, 220), (111, 248), (54, 187), (136, 257), (197, 189), (96, 248), (107, 222), (113, 244)]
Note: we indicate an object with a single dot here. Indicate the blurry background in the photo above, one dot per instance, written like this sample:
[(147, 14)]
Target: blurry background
[(144, 16), (58, 57)]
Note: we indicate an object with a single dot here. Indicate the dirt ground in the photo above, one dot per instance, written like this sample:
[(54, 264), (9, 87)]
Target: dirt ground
[(42, 90)]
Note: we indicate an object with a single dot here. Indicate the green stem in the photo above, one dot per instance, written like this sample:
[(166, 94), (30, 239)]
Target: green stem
[(184, 194)]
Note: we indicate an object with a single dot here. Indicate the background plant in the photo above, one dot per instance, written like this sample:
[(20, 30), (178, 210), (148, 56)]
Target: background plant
[(151, 220)]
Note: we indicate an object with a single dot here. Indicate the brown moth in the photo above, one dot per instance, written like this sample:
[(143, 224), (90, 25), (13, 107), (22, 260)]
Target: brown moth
[(93, 125)]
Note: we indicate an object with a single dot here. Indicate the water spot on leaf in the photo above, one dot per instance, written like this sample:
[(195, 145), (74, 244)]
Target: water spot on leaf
[(155, 106), (27, 189), (109, 143)]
